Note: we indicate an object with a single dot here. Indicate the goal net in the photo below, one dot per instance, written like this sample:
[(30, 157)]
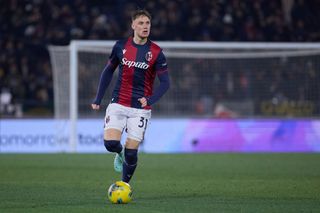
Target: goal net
[(208, 80)]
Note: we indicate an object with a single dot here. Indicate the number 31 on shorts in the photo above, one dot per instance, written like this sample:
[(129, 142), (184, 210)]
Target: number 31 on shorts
[(143, 123)]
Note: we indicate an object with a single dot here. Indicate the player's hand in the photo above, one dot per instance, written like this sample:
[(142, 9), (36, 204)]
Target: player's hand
[(143, 102), (95, 106)]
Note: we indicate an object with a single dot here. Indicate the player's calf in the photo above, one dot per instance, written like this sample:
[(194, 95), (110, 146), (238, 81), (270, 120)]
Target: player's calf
[(130, 164), (115, 146)]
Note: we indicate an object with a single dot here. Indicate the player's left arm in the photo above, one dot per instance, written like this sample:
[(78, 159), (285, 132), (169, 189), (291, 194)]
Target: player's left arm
[(162, 72)]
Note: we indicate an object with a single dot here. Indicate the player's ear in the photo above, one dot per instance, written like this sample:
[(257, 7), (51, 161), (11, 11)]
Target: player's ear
[(132, 25)]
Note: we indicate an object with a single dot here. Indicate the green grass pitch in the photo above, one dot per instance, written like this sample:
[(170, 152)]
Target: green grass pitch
[(162, 183)]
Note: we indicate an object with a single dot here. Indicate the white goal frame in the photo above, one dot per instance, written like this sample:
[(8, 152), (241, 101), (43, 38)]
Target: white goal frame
[(77, 45)]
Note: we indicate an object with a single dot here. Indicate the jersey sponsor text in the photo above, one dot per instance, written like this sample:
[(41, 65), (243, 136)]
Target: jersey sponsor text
[(141, 65)]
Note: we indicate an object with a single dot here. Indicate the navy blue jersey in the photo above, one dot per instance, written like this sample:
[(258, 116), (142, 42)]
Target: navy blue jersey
[(138, 66)]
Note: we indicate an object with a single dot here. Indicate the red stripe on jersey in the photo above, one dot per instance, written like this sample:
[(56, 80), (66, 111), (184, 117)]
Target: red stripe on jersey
[(151, 73), (125, 93)]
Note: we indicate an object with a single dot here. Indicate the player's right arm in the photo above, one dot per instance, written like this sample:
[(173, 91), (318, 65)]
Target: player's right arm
[(106, 77)]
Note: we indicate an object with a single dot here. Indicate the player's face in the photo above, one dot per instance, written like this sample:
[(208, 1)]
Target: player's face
[(141, 27)]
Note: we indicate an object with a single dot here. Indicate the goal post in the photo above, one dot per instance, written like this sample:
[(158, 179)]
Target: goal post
[(73, 95), (209, 80)]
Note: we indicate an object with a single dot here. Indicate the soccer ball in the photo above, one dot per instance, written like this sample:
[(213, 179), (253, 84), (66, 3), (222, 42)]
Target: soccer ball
[(120, 193)]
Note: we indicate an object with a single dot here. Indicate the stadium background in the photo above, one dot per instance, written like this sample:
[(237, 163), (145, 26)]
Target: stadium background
[(276, 101), (28, 27), (233, 180)]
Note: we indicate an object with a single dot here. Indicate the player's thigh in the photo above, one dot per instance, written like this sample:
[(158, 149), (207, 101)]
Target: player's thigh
[(112, 134), (114, 122), (132, 144), (136, 126)]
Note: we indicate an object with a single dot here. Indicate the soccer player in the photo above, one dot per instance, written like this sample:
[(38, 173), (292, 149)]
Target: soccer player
[(140, 60)]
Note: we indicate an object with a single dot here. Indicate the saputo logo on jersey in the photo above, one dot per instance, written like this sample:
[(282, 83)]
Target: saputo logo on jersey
[(137, 64)]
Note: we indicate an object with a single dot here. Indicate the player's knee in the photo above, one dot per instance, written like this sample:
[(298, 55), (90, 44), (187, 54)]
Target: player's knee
[(131, 156), (113, 145)]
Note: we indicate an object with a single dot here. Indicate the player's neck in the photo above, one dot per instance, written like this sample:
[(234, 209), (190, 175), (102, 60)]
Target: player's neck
[(139, 40)]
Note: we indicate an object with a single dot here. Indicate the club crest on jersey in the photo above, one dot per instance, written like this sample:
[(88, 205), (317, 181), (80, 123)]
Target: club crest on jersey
[(149, 56)]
